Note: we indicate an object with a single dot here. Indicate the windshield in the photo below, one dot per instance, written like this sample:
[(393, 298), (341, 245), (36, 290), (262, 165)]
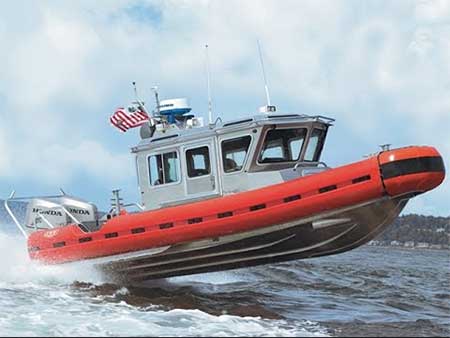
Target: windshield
[(282, 145), (234, 153), (315, 145)]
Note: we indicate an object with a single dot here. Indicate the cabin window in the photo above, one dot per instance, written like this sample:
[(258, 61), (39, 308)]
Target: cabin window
[(198, 163), (315, 145), (234, 152), (163, 168), (282, 145)]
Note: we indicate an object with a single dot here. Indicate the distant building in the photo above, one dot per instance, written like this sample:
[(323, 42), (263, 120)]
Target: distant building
[(409, 244), (422, 245), (395, 243)]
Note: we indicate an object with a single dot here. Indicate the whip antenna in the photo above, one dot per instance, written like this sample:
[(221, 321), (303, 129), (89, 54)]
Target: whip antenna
[(141, 104), (268, 107), (264, 74), (210, 118), (155, 89)]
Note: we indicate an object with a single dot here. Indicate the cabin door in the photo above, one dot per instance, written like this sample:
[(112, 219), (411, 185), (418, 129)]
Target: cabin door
[(201, 169)]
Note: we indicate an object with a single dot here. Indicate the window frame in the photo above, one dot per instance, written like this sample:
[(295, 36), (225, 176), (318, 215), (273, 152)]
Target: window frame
[(246, 155), (187, 166), (180, 175), (138, 177), (319, 145), (263, 141)]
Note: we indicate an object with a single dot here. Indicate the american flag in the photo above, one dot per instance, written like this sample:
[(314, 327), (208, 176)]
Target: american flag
[(124, 120)]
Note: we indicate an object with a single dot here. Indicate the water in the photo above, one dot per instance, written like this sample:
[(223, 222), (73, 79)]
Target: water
[(369, 291)]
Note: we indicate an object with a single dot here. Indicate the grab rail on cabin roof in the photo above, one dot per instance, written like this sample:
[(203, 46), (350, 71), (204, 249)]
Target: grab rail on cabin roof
[(319, 118)]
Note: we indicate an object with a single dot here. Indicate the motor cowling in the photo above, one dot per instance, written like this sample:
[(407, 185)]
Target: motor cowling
[(52, 213), (40, 212)]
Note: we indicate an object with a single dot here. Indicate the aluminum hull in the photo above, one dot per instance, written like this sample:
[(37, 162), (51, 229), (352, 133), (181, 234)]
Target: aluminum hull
[(325, 234)]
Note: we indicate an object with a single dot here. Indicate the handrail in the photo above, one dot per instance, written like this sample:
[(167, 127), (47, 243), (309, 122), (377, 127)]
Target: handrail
[(140, 207), (114, 208), (311, 164), (8, 209), (45, 220), (325, 119), (70, 215), (21, 227), (43, 196)]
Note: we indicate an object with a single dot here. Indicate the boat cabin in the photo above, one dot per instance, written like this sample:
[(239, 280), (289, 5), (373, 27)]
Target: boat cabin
[(179, 161), (184, 161)]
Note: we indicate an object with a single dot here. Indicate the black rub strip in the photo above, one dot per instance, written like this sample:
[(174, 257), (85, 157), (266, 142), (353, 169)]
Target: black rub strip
[(165, 225), (112, 235), (257, 207), (59, 244), (225, 214), (361, 179), (292, 198), (195, 220), (412, 166), (327, 188), (137, 230)]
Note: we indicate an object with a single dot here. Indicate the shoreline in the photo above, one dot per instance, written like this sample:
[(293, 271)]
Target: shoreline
[(406, 247)]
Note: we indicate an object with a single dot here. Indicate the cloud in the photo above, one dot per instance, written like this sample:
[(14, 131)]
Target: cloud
[(5, 157), (59, 163), (88, 157), (432, 11)]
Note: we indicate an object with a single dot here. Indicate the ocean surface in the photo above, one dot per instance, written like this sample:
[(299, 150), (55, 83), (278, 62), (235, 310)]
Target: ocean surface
[(370, 291)]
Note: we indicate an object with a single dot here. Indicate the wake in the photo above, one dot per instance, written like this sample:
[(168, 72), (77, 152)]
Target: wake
[(17, 268)]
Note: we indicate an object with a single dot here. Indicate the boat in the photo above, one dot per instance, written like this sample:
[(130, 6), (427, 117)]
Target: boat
[(227, 195)]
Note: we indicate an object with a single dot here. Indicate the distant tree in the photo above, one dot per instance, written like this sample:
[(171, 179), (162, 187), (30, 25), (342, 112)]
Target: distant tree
[(418, 228)]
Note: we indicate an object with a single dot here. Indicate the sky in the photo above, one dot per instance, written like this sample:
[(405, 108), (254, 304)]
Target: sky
[(380, 68)]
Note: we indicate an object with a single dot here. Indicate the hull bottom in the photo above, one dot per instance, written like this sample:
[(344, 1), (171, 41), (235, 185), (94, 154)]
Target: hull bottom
[(324, 234)]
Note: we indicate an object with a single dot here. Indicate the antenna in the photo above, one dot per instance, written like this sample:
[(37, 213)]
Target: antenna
[(141, 104), (135, 90), (264, 75), (385, 147), (155, 89), (209, 86)]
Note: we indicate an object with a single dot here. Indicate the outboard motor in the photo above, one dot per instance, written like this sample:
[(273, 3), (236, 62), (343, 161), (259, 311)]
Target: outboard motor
[(52, 213), (44, 214), (83, 211)]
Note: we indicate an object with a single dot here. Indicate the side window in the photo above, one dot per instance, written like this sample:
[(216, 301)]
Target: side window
[(163, 168), (282, 145), (198, 163), (155, 168), (315, 145), (234, 152), (170, 167), (137, 160)]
